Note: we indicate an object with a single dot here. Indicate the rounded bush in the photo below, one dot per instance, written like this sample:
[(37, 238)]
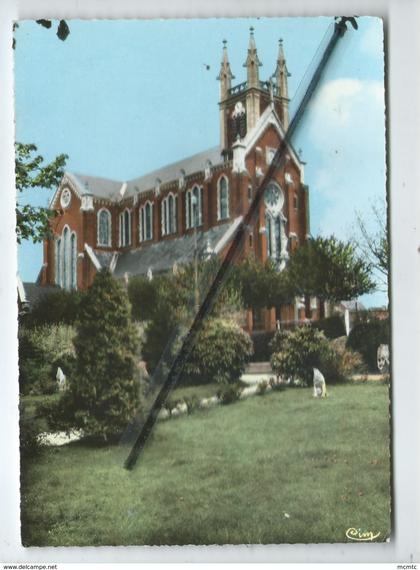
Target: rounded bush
[(296, 353), (220, 354)]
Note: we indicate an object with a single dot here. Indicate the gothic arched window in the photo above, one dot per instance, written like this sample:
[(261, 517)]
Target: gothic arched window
[(222, 198), (104, 228), (269, 233), (275, 225), (58, 262), (146, 222), (169, 215), (73, 261), (194, 207), (125, 228), (66, 260)]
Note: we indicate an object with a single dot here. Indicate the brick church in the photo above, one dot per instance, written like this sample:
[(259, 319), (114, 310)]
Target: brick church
[(162, 219)]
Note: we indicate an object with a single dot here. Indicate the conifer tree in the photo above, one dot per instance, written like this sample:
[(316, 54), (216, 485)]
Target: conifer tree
[(104, 392)]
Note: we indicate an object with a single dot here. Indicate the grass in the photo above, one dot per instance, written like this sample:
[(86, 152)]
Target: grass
[(282, 468), (204, 391)]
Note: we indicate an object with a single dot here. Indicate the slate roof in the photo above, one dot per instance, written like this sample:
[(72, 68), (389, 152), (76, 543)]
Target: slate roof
[(35, 292), (190, 165), (104, 257), (98, 187), (160, 257), (110, 189)]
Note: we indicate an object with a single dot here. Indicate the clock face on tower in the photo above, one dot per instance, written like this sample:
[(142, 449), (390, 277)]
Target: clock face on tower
[(273, 198), (65, 198)]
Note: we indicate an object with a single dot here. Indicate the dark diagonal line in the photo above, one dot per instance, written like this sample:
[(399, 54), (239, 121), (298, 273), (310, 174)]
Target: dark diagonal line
[(234, 249)]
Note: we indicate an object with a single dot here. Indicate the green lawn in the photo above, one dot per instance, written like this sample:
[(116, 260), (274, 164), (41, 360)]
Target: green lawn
[(279, 468)]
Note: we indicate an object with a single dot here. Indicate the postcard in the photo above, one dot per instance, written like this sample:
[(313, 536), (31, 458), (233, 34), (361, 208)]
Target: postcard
[(204, 324)]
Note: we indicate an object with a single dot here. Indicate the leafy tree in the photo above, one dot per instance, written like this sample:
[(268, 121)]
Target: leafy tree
[(260, 285), (34, 222), (373, 243), (329, 269), (62, 29), (103, 393)]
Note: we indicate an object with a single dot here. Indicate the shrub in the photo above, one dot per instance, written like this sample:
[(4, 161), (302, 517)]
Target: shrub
[(305, 348), (193, 403), (103, 393), (28, 438), (31, 424), (168, 303), (171, 404), (57, 307), (338, 365), (165, 327), (220, 354), (262, 387), (332, 327), (365, 338), (59, 414), (144, 296), (35, 372), (229, 394), (275, 385), (278, 340), (262, 348), (41, 350)]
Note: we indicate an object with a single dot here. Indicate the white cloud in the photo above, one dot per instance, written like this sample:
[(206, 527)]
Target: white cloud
[(345, 137), (344, 109)]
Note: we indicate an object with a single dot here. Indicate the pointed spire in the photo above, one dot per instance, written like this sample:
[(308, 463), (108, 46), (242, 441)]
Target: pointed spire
[(225, 75), (281, 73), (252, 62)]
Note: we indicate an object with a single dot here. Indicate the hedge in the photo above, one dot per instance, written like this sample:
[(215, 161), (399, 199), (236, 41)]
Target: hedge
[(261, 341), (365, 339), (332, 327)]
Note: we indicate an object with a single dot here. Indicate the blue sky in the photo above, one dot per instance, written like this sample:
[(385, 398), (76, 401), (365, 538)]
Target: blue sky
[(125, 97)]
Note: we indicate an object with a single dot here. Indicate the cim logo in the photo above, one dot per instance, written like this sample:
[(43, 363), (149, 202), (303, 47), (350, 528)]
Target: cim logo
[(361, 535)]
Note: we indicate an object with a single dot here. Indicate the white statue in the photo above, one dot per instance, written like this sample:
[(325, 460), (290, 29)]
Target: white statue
[(383, 358), (61, 380), (320, 387)]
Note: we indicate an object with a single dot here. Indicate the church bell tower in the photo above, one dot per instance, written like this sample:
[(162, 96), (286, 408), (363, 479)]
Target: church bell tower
[(241, 105)]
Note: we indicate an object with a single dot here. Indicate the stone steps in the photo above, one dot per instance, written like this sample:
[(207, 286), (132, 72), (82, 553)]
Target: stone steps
[(258, 368)]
